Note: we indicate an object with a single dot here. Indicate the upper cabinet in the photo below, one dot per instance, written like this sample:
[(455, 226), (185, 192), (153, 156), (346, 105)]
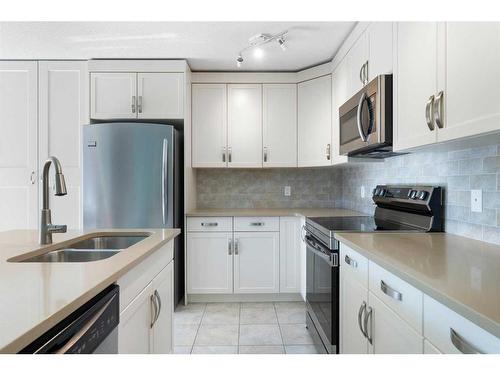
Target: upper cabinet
[(357, 60), (117, 95), (446, 80), (340, 94), (315, 122), (244, 119), (279, 125), (209, 125)]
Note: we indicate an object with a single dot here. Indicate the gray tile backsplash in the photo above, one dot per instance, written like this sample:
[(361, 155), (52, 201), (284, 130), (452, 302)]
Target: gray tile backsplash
[(457, 171)]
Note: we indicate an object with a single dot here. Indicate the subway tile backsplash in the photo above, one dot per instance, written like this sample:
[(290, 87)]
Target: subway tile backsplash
[(457, 171)]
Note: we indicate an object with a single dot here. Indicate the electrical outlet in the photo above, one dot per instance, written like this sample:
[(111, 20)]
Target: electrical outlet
[(476, 200), (362, 191), (287, 191)]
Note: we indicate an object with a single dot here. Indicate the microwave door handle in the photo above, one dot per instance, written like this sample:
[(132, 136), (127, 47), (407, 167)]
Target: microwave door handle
[(360, 107)]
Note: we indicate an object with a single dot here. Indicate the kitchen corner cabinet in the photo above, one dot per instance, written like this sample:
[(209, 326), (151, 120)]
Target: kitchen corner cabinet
[(18, 145), (128, 95), (315, 122), (279, 125), (244, 125), (209, 125)]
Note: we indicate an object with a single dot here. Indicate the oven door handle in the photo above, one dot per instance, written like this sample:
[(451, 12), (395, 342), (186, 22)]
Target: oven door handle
[(331, 259), (362, 135)]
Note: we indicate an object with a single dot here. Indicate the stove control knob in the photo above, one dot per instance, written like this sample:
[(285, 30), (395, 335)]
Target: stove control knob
[(375, 192), (382, 192), (422, 195), (413, 194)]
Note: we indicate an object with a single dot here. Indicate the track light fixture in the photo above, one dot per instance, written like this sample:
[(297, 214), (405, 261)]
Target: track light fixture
[(261, 39)]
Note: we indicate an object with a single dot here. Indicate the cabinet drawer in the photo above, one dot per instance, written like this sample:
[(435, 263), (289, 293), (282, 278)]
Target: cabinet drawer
[(452, 333), (400, 296), (209, 224), (353, 265), (256, 224)]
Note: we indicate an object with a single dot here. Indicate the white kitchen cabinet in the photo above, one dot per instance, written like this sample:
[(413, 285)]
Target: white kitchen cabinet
[(113, 95), (62, 111), (209, 262), (279, 125), (134, 336), (244, 124), (18, 145), (340, 94), (315, 122), (389, 333), (160, 95), (358, 60), (162, 330), (256, 262), (290, 244), (380, 42), (415, 82), (209, 125), (470, 74)]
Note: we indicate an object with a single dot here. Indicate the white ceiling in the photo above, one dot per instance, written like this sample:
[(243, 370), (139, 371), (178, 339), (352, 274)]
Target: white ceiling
[(206, 45)]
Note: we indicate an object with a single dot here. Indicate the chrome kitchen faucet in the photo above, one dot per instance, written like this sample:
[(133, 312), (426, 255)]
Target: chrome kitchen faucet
[(46, 226)]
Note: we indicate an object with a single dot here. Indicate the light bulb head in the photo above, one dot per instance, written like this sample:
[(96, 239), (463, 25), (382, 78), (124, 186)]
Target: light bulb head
[(258, 53), (282, 44), (239, 61)]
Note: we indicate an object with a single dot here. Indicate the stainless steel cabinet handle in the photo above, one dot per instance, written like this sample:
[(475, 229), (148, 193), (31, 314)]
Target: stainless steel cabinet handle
[(390, 292), (154, 310), (462, 345), (351, 261), (428, 113), (229, 154), (257, 224), (229, 247), (362, 308), (328, 151), (139, 104), (32, 177), (265, 154), (438, 110), (365, 71), (158, 298), (223, 154), (368, 316), (209, 224), (361, 74), (133, 103), (236, 247)]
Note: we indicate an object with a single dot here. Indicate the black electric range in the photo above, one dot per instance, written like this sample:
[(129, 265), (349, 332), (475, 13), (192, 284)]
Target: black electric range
[(398, 208)]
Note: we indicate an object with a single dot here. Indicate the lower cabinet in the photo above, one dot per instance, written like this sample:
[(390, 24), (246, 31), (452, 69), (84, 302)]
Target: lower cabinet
[(146, 319), (256, 262)]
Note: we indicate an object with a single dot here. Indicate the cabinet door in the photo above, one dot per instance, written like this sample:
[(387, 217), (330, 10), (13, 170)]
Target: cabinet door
[(280, 125), (113, 95), (256, 262), (357, 57), (244, 126), (18, 144), (414, 82), (352, 297), (390, 334), (163, 290), (209, 124), (315, 122), (340, 84), (134, 330), (63, 110), (290, 247), (160, 95), (472, 78), (209, 263), (380, 47)]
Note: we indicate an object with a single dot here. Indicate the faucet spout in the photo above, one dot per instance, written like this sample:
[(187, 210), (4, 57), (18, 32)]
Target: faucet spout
[(46, 226)]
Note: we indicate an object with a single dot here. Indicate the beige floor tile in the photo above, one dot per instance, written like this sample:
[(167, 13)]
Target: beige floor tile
[(217, 335), (260, 349), (295, 334), (265, 315), (229, 316), (215, 349), (256, 305), (260, 334), (182, 349), (184, 334), (301, 349)]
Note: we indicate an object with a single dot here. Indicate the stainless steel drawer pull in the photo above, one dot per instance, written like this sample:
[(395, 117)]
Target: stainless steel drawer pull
[(133, 103), (223, 154), (362, 308), (390, 292), (257, 224), (368, 316), (230, 154), (139, 104), (209, 224), (461, 344), (265, 154), (236, 247), (429, 119), (351, 261), (229, 247), (438, 110)]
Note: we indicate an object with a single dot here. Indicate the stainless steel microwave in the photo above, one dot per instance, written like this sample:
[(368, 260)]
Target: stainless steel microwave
[(366, 121)]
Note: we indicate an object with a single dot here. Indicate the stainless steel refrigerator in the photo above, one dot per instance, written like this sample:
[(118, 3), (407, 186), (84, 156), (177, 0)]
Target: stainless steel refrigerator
[(132, 179)]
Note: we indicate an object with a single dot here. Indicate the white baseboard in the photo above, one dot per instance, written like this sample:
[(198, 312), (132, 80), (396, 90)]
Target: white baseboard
[(272, 297)]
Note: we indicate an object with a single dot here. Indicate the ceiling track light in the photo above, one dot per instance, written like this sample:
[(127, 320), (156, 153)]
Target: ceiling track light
[(261, 39)]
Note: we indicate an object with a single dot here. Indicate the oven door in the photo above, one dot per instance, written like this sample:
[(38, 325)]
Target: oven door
[(322, 291), (359, 120)]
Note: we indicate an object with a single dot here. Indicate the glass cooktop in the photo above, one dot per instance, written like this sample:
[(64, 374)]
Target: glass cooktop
[(356, 224)]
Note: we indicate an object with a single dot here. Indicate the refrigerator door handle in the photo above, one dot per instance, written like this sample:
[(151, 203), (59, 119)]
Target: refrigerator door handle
[(164, 180)]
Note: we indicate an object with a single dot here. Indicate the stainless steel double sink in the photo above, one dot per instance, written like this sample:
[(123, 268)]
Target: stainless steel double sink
[(89, 249)]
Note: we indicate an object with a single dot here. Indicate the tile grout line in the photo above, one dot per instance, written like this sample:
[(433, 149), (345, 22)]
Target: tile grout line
[(279, 328), (198, 329)]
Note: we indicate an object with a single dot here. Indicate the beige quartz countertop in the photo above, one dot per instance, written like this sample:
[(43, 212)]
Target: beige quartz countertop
[(36, 296), (459, 272), (306, 212)]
